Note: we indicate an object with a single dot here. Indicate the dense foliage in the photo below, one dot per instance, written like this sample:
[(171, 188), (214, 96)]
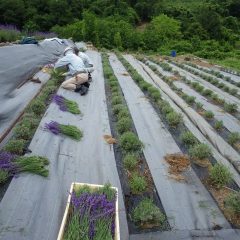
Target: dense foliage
[(208, 28)]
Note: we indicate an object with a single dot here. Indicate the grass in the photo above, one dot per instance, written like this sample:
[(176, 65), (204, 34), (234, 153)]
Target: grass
[(137, 184), (188, 138), (200, 151), (15, 146), (146, 212), (220, 175), (3, 176), (209, 114), (233, 138), (230, 107), (116, 100), (124, 124), (218, 125), (174, 119), (72, 106), (130, 161), (232, 202), (230, 62), (129, 142)]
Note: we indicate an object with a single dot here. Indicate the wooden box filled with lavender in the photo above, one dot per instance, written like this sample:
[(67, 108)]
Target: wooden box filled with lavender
[(91, 213)]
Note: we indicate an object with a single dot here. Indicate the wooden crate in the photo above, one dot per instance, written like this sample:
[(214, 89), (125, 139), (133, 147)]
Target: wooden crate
[(74, 186)]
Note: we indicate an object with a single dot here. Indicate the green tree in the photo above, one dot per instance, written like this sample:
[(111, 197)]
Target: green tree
[(118, 40)]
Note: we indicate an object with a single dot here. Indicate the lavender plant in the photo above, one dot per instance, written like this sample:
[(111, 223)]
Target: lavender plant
[(93, 215), (66, 105), (68, 130)]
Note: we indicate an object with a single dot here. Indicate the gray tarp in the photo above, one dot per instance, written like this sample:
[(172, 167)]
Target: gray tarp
[(223, 147), (33, 206), (17, 64), (229, 121), (187, 121), (181, 201)]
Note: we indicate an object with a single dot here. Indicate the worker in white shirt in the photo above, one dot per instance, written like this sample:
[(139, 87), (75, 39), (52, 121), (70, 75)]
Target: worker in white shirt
[(77, 69)]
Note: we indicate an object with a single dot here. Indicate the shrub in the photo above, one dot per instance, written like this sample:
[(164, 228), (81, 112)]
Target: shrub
[(190, 100), (199, 105), (230, 107), (233, 138), (117, 108), (214, 97), (232, 202), (218, 125), (148, 213), (188, 138), (174, 119), (22, 132), (123, 113), (124, 125), (166, 108), (208, 114), (226, 88), (30, 121), (199, 88), (130, 161), (37, 106), (15, 146), (200, 151), (220, 175), (3, 176), (129, 142), (233, 91), (113, 84), (207, 92), (144, 85), (115, 89), (221, 85), (137, 184), (116, 100)]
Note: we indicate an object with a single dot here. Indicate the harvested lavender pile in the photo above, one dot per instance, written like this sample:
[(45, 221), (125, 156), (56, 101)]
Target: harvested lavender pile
[(93, 214), (10, 165), (68, 130), (66, 105)]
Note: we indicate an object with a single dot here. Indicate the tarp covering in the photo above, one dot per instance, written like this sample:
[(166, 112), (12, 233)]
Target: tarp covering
[(33, 206), (187, 121), (180, 200), (17, 64)]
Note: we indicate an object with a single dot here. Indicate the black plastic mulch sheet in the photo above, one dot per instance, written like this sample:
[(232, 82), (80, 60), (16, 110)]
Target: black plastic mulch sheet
[(33, 206), (18, 63)]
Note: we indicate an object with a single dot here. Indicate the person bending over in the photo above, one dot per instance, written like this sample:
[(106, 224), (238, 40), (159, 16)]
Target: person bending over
[(77, 69)]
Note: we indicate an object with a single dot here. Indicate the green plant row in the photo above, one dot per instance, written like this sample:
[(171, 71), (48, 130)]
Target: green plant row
[(232, 138), (219, 175), (209, 94), (131, 148), (215, 73), (172, 117), (25, 129), (214, 81)]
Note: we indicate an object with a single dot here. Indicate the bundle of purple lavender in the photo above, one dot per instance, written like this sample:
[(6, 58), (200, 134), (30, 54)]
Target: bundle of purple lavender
[(66, 105), (92, 214), (11, 165), (68, 130)]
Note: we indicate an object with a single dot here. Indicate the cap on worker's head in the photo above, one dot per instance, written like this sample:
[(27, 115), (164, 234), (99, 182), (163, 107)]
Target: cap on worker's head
[(68, 49)]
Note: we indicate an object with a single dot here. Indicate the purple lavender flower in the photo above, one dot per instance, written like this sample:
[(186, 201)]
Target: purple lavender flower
[(94, 206), (6, 162), (60, 101), (53, 127)]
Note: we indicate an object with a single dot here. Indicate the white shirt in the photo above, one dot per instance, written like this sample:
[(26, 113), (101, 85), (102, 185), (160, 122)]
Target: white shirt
[(86, 60), (74, 63)]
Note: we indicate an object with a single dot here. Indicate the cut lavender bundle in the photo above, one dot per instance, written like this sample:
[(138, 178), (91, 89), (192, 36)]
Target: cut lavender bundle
[(68, 130), (93, 213), (65, 104), (11, 165)]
